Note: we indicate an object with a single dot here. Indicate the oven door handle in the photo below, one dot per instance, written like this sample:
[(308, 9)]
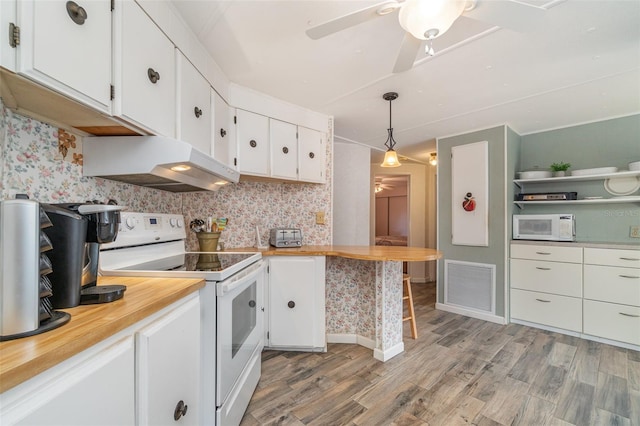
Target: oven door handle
[(241, 278)]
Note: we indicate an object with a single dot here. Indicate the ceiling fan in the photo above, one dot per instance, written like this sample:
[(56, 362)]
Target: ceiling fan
[(383, 183), (429, 19)]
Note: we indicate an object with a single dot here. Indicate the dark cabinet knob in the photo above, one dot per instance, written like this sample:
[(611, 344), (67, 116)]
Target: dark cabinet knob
[(197, 111), (223, 132), (252, 303), (253, 143), (285, 149), (311, 155), (181, 410), (291, 304), (153, 75), (76, 12)]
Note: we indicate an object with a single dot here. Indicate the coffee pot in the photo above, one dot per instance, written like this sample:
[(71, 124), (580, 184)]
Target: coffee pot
[(77, 232)]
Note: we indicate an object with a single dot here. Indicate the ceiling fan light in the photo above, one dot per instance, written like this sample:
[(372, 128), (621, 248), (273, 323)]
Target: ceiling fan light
[(433, 159), (419, 17), (390, 159)]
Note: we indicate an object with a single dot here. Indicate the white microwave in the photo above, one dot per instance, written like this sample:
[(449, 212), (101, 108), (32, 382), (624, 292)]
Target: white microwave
[(546, 227)]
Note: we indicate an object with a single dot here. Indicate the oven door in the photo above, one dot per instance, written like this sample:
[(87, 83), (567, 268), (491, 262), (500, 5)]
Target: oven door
[(239, 326)]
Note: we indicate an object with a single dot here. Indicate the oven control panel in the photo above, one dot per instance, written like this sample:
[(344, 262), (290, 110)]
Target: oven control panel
[(144, 228)]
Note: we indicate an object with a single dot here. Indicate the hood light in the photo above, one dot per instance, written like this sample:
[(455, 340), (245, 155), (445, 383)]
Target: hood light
[(180, 168)]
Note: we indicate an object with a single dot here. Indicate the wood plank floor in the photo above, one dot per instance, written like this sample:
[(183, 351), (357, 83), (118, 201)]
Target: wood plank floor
[(459, 371)]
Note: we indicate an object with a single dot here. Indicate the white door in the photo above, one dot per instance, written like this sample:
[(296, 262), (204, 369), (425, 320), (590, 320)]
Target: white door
[(296, 301), (253, 143), (66, 46), (283, 138), (168, 368), (312, 155), (145, 76), (222, 138), (194, 106)]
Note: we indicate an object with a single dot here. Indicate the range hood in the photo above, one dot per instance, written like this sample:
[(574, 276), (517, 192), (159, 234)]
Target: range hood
[(155, 162)]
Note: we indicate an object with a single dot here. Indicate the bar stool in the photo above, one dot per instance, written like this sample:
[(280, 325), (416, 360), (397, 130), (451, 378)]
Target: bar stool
[(406, 281)]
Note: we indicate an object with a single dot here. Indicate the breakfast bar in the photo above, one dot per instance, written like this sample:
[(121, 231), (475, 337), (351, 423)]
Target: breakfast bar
[(364, 292)]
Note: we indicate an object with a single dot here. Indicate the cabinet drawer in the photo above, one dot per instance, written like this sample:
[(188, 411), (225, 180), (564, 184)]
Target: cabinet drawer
[(612, 321), (612, 257), (547, 277), (548, 309), (609, 284), (549, 253)]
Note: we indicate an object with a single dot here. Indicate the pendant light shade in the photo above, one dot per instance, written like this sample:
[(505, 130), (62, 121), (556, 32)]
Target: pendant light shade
[(390, 157)]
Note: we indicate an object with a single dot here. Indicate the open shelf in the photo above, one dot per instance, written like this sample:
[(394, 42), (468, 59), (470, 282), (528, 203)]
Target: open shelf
[(612, 200), (521, 182)]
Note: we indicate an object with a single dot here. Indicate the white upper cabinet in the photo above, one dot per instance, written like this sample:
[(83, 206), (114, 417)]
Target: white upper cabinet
[(312, 155), (284, 149), (145, 72), (8, 45), (253, 143), (194, 106), (223, 130), (66, 46)]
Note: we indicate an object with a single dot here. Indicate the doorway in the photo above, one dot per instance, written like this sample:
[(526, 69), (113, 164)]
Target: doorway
[(392, 211)]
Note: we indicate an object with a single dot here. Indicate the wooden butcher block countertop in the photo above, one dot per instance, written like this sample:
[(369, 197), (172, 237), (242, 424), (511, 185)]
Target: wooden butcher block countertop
[(22, 359), (394, 253)]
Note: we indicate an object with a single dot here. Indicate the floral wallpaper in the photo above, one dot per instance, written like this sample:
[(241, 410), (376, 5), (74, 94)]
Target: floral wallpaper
[(45, 163)]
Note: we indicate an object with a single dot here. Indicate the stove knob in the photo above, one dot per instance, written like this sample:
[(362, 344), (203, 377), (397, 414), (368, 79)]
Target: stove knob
[(180, 223), (130, 222), (173, 222)]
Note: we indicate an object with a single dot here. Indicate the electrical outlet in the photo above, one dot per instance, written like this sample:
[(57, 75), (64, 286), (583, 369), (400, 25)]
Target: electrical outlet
[(319, 218), (634, 231)]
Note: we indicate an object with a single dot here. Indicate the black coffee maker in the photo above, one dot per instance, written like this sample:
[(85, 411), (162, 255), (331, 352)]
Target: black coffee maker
[(76, 235)]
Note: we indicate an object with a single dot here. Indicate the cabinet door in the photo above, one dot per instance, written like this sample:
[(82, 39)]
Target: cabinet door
[(312, 155), (145, 80), (283, 138), (296, 302), (168, 367), (98, 390), (194, 106), (7, 51), (223, 147), (253, 143), (66, 46)]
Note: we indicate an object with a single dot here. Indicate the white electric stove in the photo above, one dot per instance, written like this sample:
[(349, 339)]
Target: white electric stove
[(153, 245)]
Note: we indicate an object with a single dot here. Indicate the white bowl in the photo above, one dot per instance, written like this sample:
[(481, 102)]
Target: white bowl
[(535, 174), (596, 171), (635, 166)]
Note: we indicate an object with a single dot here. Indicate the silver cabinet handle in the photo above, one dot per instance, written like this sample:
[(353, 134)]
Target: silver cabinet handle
[(629, 276), (543, 253), (543, 301), (633, 259), (629, 315), (543, 269)]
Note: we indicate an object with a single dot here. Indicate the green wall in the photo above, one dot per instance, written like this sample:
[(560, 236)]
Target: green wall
[(607, 143), (495, 252)]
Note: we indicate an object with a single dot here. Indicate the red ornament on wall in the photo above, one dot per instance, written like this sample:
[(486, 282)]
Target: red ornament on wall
[(469, 203)]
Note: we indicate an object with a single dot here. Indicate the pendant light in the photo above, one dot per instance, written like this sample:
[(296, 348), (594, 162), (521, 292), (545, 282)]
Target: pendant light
[(390, 157)]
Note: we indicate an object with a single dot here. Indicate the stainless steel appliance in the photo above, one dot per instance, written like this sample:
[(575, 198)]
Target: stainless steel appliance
[(25, 289), (151, 244), (285, 237), (545, 227), (78, 230)]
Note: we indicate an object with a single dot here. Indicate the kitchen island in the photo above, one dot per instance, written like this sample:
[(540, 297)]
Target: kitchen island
[(363, 292)]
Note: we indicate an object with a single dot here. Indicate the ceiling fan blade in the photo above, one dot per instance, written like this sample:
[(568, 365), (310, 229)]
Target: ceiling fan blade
[(407, 54), (347, 21), (509, 14)]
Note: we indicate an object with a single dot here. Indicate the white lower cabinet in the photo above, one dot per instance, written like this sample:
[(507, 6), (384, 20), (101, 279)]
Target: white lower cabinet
[(296, 304), (591, 291), (137, 377), (94, 388), (167, 368)]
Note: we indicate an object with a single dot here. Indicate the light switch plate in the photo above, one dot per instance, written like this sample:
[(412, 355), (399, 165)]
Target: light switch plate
[(320, 218), (634, 231)]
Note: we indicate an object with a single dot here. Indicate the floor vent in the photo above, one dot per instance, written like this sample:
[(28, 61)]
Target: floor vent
[(470, 285)]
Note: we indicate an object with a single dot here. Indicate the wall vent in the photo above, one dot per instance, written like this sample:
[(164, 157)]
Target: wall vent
[(470, 285)]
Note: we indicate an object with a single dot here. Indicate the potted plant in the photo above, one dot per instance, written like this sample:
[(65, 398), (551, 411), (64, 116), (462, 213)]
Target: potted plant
[(559, 169)]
